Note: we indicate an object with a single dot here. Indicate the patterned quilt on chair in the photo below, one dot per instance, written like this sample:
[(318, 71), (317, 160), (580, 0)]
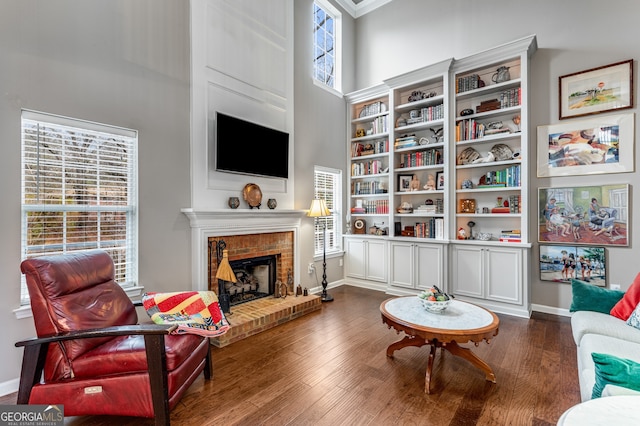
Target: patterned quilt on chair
[(196, 312)]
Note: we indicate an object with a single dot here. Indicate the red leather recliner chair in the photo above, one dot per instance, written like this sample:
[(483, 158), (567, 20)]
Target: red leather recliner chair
[(96, 359)]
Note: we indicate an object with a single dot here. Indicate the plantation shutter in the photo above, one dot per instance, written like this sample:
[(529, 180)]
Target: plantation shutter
[(79, 191), (327, 186)]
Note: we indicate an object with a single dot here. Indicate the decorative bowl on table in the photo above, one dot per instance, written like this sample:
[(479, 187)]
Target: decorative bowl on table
[(434, 300)]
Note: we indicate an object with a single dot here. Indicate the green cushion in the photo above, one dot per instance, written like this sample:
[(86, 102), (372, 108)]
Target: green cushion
[(588, 297), (616, 371)]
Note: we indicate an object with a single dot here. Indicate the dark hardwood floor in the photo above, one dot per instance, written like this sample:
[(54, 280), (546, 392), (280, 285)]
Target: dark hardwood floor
[(330, 368)]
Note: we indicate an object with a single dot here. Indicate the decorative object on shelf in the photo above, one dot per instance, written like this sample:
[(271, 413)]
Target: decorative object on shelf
[(289, 281), (272, 203), (319, 209), (401, 122), (298, 290), (516, 154), (471, 224), (581, 95), (467, 205), (418, 95), (424, 141), (465, 112), (484, 236), (305, 292), (467, 156), (404, 183), (466, 184), (414, 185), (570, 148), (462, 234), (440, 180), (431, 183), (405, 207), (516, 121), (415, 113), (501, 75), (437, 135), (360, 133), (359, 226), (501, 152), (488, 159), (252, 195), (234, 202)]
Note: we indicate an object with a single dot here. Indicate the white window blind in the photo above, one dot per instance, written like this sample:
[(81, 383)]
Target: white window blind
[(79, 191), (327, 186), (327, 44)]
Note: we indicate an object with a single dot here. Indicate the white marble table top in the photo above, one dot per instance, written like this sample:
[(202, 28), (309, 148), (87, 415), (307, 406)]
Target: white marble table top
[(621, 410), (458, 316)]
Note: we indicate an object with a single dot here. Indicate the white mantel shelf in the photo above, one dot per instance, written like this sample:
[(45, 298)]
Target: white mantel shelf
[(200, 218), (223, 222)]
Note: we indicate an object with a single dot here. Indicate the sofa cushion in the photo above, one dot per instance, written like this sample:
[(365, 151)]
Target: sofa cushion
[(597, 343), (634, 318), (611, 369), (588, 297), (586, 322), (629, 301)]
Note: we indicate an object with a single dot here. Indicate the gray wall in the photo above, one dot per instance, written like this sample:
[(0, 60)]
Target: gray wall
[(572, 36), (124, 63)]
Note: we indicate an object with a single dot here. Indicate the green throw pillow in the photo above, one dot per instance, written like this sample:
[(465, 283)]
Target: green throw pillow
[(588, 297), (616, 371)]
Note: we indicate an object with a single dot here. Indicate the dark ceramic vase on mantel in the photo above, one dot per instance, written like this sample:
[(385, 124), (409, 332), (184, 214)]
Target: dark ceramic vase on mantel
[(272, 203), (234, 202)]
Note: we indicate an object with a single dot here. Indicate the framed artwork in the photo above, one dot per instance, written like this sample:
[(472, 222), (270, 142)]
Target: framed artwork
[(440, 180), (404, 183), (596, 90), (592, 215), (603, 144), (562, 263)]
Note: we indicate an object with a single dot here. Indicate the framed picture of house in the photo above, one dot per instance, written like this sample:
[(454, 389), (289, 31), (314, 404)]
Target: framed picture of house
[(591, 215), (596, 90), (563, 263), (602, 144)]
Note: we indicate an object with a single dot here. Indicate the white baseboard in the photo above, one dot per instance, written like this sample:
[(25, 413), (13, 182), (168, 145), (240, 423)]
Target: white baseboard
[(9, 386), (551, 310)]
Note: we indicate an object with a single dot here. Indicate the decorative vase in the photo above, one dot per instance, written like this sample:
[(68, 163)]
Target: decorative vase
[(234, 202), (272, 203)]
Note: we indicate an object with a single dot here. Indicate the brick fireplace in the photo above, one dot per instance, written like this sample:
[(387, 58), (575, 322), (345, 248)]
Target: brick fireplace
[(250, 246), (248, 234)]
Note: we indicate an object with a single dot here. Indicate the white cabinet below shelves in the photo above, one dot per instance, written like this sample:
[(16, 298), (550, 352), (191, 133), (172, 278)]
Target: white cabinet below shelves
[(416, 266), (366, 259), (491, 273)]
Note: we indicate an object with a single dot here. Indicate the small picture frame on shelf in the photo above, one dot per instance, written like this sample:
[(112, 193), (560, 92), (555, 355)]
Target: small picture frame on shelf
[(440, 180), (404, 183)]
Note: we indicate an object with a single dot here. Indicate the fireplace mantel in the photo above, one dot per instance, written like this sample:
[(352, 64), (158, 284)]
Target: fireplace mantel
[(213, 223)]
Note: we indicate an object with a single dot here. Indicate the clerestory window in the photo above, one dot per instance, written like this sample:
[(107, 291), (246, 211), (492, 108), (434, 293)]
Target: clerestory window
[(327, 22)]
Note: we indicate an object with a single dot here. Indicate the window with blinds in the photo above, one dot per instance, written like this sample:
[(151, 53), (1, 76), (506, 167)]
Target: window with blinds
[(79, 191), (327, 186)]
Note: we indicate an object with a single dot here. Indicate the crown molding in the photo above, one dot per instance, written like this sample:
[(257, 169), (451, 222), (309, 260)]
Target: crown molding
[(362, 8)]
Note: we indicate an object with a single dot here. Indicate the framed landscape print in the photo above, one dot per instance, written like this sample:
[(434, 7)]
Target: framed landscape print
[(562, 263), (596, 90), (602, 144), (592, 215)]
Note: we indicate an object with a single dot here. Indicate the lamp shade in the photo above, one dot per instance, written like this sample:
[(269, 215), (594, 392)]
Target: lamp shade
[(224, 271), (318, 209)]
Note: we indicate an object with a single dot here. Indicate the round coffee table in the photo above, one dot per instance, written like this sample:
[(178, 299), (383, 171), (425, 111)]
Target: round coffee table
[(461, 322)]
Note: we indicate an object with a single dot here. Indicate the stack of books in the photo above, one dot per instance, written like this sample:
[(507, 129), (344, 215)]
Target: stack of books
[(406, 142), (510, 236), (425, 208)]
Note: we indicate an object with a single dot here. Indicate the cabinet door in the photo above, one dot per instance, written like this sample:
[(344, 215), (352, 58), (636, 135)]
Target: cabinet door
[(428, 266), (402, 264), (355, 263), (504, 274), (468, 271), (377, 261)]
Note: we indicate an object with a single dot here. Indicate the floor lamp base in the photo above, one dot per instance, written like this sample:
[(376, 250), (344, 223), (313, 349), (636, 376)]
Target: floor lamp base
[(326, 297)]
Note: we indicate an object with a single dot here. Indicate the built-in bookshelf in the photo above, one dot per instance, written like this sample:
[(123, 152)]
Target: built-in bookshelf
[(369, 152), (420, 134)]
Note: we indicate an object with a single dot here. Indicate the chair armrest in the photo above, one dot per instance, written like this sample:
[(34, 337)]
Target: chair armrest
[(124, 330)]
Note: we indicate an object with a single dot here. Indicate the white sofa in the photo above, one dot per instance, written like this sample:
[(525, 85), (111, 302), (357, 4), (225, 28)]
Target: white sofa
[(603, 333)]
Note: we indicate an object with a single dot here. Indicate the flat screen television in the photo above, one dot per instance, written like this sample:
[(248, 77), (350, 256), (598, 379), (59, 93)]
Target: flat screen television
[(249, 148)]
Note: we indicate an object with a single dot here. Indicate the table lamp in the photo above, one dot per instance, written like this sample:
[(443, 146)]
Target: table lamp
[(319, 209)]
